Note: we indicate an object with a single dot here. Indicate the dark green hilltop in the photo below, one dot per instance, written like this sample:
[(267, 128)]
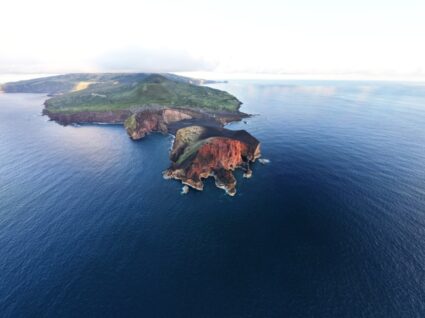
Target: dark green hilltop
[(111, 91)]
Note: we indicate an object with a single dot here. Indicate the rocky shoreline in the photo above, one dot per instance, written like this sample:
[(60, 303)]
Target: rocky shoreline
[(202, 147), (150, 102), (169, 120), (200, 152)]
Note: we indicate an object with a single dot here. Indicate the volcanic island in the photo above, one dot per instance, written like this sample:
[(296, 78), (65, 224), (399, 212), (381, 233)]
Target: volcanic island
[(148, 102)]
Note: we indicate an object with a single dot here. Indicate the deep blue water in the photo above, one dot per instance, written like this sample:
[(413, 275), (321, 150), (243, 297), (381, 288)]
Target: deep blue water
[(334, 226)]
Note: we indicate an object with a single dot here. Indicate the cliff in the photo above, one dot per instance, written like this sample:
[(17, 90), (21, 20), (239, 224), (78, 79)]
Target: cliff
[(169, 120), (200, 152), (110, 117)]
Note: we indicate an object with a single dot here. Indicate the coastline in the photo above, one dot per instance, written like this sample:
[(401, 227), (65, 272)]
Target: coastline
[(144, 103)]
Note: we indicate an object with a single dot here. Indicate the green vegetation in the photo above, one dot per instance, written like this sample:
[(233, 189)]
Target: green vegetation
[(153, 90), (60, 84), (131, 123), (120, 91), (191, 150)]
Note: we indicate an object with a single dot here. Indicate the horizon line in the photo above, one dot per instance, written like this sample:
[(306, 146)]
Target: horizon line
[(211, 75)]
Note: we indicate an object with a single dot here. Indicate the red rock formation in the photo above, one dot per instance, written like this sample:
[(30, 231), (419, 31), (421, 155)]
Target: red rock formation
[(200, 152), (173, 115), (142, 123), (166, 120)]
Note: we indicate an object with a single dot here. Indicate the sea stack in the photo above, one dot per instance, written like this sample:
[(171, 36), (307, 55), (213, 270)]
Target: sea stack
[(200, 152)]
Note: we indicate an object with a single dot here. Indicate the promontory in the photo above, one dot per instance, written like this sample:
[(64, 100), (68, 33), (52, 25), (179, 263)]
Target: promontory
[(148, 102)]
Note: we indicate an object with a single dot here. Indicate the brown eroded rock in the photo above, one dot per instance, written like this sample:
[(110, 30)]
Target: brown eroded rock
[(142, 123), (199, 152), (111, 117), (166, 120)]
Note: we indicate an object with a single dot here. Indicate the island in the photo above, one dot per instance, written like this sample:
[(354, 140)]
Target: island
[(166, 103), (201, 151)]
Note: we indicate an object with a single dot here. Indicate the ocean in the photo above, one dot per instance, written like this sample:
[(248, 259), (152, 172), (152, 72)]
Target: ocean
[(333, 226)]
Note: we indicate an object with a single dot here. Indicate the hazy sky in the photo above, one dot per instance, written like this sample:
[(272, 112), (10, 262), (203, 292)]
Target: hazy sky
[(279, 37)]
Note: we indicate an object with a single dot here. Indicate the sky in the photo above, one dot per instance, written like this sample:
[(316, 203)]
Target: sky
[(277, 38)]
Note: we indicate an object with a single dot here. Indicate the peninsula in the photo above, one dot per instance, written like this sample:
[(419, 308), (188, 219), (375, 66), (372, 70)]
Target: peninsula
[(167, 103)]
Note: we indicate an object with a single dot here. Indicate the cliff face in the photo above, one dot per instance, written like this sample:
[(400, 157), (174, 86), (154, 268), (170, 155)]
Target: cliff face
[(200, 152), (111, 117), (166, 120), (140, 123)]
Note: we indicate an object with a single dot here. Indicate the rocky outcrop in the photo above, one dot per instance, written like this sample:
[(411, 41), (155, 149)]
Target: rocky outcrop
[(202, 147), (200, 152), (141, 122), (167, 120)]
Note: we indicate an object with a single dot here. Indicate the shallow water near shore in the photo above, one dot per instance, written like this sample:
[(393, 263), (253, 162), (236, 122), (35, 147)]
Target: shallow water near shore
[(333, 226)]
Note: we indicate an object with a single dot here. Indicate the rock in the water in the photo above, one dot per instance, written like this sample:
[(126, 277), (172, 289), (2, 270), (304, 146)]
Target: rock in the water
[(247, 174), (199, 152), (185, 189), (263, 161)]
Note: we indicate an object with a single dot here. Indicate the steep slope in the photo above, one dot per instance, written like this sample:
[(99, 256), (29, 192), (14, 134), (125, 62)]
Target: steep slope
[(200, 152), (169, 120)]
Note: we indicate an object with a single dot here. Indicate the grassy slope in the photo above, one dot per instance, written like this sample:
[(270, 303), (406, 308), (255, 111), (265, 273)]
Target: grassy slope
[(153, 90), (191, 150), (60, 84), (54, 84)]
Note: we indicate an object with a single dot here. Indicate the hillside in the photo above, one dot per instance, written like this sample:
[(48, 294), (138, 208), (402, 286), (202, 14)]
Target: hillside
[(154, 91), (60, 84), (74, 93)]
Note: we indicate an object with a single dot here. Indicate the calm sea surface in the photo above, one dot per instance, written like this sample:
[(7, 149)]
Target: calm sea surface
[(333, 226)]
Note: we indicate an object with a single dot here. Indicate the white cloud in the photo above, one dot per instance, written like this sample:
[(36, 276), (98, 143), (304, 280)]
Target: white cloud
[(150, 60), (269, 36)]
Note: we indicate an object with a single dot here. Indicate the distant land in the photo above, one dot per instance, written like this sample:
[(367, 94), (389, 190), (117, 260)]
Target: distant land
[(66, 83), (149, 102)]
